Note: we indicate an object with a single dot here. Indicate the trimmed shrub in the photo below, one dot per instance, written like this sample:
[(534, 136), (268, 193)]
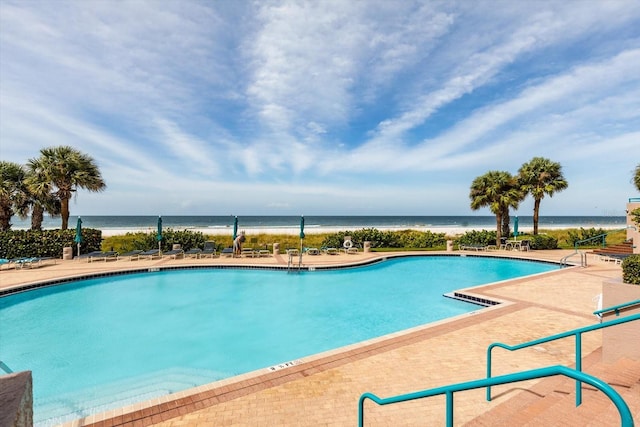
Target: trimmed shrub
[(542, 241), (631, 269), (475, 237), (387, 239), (46, 243)]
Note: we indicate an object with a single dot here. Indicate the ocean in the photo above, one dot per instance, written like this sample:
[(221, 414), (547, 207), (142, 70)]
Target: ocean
[(318, 224)]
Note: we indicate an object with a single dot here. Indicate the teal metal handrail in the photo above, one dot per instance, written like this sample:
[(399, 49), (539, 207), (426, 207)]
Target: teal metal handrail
[(5, 368), (616, 308), (626, 420), (575, 332)]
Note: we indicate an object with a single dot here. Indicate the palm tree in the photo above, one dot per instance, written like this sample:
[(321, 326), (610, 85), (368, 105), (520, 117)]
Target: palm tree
[(541, 177), (12, 192), (65, 169), (497, 190), (41, 198), (636, 178)]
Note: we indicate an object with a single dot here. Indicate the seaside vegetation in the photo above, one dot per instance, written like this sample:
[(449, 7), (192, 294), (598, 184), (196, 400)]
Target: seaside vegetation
[(50, 243), (46, 184), (631, 270), (501, 191), (380, 240)]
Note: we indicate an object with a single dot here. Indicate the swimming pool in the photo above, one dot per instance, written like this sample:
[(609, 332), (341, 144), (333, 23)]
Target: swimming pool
[(108, 342)]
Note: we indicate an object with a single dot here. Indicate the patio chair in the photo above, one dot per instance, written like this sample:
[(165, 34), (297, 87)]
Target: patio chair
[(150, 254), (193, 253), (174, 253), (131, 255), (104, 256), (209, 249), (88, 255)]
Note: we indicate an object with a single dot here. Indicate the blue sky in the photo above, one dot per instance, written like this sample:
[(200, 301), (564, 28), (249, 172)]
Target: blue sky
[(324, 107)]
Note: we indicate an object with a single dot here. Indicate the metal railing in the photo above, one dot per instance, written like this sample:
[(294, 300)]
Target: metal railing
[(5, 368), (583, 255), (577, 333), (291, 266), (623, 409), (616, 308), (583, 259)]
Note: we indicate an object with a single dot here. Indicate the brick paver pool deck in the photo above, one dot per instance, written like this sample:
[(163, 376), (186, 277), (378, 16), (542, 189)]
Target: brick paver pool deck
[(323, 390)]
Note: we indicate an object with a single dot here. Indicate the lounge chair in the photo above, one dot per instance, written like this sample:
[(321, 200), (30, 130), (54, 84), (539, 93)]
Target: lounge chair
[(249, 252), (150, 254), (312, 251), (331, 251), (32, 262), (227, 252), (193, 253), (88, 255), (209, 249), (174, 253), (104, 256), (474, 247), (131, 255), (351, 251), (264, 252), (7, 262)]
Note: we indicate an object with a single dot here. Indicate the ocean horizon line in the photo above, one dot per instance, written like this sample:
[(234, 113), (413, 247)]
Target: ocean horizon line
[(289, 224)]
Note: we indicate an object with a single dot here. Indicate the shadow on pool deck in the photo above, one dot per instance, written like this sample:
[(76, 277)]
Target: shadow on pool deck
[(324, 389)]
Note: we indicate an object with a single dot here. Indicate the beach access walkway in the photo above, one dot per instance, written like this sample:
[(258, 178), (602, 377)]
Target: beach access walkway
[(323, 390)]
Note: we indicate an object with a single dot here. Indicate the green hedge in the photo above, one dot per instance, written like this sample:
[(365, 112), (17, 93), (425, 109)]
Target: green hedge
[(387, 239), (542, 241), (475, 237), (46, 243), (131, 241), (631, 270)]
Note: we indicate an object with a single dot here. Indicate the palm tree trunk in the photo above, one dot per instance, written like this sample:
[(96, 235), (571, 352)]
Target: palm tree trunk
[(64, 211), (37, 216), (506, 223), (5, 219), (498, 229), (536, 215)]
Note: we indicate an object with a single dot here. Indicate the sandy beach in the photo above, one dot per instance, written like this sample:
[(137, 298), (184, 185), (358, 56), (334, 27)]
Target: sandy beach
[(217, 231)]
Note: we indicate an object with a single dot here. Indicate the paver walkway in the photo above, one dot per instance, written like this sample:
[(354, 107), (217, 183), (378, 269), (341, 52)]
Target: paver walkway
[(325, 389)]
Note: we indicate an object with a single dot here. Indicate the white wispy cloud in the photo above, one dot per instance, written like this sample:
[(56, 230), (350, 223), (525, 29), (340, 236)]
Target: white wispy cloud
[(294, 103)]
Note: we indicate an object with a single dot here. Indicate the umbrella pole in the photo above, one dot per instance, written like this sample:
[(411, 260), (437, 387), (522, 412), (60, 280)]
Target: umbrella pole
[(78, 250)]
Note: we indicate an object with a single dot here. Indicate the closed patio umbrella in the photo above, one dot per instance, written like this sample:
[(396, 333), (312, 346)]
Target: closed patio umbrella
[(515, 228), (78, 238), (235, 228), (301, 231), (159, 235)]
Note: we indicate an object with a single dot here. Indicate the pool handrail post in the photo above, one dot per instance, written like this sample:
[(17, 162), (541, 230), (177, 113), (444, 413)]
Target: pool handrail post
[(577, 333), (623, 409)]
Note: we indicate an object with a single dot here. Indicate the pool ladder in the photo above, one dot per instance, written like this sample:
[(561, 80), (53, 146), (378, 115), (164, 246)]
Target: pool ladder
[(291, 267), (564, 262)]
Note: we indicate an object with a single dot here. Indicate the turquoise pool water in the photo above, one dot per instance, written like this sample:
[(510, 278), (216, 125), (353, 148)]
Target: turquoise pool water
[(109, 342)]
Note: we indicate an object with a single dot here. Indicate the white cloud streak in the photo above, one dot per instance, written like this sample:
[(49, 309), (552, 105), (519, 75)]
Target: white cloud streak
[(271, 98)]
